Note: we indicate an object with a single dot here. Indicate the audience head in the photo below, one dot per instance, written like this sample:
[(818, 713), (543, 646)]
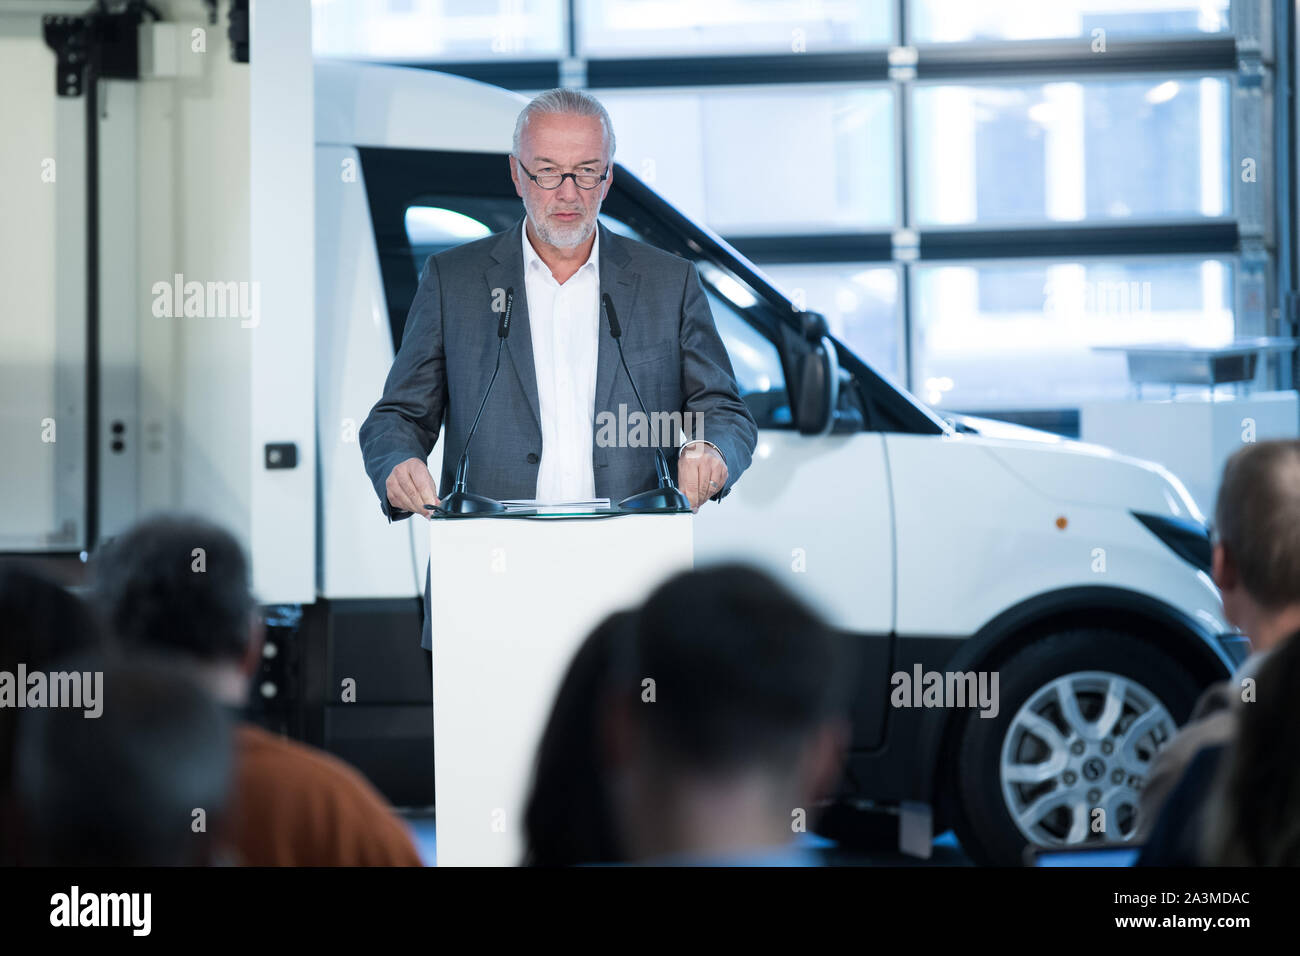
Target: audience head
[(180, 584), (1254, 814), (568, 819), (40, 622), (736, 719), (1257, 540), (144, 783)]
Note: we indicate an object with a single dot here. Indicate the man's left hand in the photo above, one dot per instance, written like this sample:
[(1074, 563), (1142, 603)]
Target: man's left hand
[(701, 473)]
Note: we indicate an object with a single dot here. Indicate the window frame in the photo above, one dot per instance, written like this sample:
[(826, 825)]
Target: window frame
[(1254, 50)]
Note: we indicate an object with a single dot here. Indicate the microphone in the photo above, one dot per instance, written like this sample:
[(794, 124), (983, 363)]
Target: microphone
[(460, 501), (667, 496)]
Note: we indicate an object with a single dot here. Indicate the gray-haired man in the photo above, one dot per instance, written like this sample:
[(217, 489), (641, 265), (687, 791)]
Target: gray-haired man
[(537, 438), (1256, 565)]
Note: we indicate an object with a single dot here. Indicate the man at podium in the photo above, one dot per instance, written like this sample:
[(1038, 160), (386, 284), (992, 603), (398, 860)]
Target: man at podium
[(522, 331)]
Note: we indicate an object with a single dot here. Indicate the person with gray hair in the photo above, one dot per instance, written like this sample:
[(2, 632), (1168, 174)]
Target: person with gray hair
[(562, 101), (1256, 565), (558, 264)]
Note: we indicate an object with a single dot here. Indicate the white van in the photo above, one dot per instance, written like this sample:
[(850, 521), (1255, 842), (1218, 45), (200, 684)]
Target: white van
[(1076, 577)]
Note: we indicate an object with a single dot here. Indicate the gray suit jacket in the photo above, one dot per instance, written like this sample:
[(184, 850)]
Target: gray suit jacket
[(449, 348)]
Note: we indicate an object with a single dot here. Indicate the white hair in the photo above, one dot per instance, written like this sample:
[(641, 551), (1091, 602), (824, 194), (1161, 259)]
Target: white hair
[(572, 102)]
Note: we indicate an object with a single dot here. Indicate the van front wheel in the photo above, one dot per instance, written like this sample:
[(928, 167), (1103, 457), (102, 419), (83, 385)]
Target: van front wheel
[(1081, 716)]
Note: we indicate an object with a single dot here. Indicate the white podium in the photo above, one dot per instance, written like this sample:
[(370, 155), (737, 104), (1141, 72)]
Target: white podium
[(512, 599)]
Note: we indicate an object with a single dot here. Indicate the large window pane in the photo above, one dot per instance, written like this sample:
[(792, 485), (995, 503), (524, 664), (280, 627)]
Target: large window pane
[(758, 161), (682, 27), (1114, 150), (1023, 334), (860, 302), (438, 29), (944, 21)]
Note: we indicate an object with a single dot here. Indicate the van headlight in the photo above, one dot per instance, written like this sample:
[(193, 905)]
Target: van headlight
[(1190, 540)]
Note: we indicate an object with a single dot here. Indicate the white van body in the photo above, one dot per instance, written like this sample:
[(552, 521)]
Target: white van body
[(961, 540)]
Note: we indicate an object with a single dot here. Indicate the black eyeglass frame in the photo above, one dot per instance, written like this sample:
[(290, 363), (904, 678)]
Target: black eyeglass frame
[(563, 176)]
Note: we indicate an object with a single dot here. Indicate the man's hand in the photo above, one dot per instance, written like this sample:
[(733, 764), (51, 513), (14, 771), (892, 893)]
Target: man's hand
[(701, 473), (410, 487)]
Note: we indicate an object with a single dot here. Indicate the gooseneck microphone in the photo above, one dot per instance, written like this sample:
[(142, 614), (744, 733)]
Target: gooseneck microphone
[(460, 501), (667, 496)]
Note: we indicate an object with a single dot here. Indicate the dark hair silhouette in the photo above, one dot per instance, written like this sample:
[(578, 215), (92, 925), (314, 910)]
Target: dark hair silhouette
[(39, 623), (123, 788), (568, 818), (1254, 813), (744, 671), (176, 583)]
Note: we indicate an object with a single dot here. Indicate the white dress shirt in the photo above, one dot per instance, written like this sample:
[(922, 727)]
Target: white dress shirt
[(564, 320)]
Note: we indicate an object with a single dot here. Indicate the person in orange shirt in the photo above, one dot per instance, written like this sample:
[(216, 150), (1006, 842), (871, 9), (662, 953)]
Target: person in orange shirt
[(291, 804)]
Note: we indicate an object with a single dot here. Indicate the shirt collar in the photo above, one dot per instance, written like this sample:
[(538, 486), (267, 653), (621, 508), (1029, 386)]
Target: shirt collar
[(533, 260)]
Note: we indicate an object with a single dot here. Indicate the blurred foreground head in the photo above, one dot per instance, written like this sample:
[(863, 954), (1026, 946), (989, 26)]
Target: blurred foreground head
[(40, 622), (180, 584), (568, 820), (1254, 817), (1257, 540), (143, 784), (736, 722)]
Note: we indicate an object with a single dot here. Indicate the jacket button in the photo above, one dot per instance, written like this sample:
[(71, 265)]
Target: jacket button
[(532, 458)]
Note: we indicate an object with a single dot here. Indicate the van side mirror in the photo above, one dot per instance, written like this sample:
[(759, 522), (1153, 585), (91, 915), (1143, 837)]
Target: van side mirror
[(819, 379)]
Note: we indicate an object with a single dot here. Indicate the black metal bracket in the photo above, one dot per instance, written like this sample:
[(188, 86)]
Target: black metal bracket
[(238, 31), (107, 39), (70, 39)]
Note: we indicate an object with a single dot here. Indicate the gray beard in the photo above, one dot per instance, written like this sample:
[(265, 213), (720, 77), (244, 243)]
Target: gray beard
[(565, 238)]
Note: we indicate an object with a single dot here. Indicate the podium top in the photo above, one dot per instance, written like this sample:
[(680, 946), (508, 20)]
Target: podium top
[(553, 512)]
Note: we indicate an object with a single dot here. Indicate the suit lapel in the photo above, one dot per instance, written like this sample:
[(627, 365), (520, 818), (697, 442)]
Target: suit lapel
[(509, 273), (620, 283)]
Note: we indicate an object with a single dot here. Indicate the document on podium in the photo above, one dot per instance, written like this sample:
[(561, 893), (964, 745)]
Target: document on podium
[(556, 507)]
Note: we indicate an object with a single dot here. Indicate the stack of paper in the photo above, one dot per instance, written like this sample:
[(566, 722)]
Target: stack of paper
[(557, 507)]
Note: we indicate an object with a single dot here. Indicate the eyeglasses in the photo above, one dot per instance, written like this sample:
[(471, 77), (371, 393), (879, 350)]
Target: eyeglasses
[(553, 180)]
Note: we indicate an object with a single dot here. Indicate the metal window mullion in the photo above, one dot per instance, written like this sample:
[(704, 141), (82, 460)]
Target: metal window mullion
[(903, 194), (1285, 124), (571, 28), (953, 62), (572, 66), (905, 236), (1250, 101)]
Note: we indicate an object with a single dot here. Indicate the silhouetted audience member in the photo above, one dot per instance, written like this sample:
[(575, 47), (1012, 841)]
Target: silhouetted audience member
[(181, 584), (144, 783), (1253, 813), (567, 820), (735, 724), (1256, 565), (40, 622)]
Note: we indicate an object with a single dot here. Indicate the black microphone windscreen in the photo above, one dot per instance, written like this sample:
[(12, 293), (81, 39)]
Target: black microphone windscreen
[(614, 328), (503, 327)]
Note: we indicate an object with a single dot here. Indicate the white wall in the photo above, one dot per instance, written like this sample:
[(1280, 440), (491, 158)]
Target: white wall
[(41, 309)]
